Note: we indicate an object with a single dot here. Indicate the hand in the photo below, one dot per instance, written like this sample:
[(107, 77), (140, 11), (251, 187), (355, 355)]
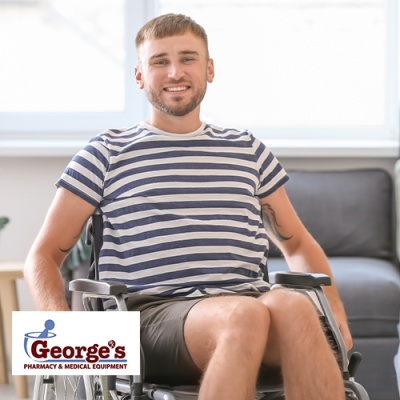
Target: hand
[(345, 331), (341, 320)]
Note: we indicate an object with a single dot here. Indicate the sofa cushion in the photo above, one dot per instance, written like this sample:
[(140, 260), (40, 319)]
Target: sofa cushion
[(349, 213), (370, 291)]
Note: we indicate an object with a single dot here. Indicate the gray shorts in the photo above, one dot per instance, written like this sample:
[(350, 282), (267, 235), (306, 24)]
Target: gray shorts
[(167, 359)]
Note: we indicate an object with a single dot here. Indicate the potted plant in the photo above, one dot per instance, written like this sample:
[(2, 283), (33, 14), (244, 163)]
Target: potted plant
[(3, 222)]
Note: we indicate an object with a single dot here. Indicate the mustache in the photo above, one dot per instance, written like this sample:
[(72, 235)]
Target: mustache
[(176, 82)]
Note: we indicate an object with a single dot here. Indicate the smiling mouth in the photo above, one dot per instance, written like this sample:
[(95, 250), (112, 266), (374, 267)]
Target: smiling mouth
[(176, 89)]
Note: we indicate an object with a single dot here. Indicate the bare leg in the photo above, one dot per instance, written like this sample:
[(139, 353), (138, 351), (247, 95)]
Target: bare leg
[(229, 337), (226, 338), (308, 364)]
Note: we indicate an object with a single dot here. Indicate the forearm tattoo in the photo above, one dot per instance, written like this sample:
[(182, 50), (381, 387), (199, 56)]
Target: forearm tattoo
[(271, 223), (67, 250), (75, 237)]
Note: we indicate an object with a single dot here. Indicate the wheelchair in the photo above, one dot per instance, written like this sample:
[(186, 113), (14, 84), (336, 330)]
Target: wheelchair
[(94, 291)]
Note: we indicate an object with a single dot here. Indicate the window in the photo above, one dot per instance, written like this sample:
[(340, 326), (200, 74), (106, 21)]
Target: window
[(67, 67), (301, 69), (286, 69)]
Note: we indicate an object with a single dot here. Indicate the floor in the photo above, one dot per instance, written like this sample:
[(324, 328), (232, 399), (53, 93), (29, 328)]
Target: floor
[(7, 392)]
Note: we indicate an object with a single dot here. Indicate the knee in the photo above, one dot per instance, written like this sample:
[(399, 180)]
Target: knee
[(247, 319), (293, 307)]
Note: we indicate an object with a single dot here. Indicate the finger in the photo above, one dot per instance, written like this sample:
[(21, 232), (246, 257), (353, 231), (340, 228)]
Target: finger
[(349, 344), (348, 341)]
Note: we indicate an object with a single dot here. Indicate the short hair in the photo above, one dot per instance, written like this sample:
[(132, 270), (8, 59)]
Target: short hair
[(170, 25)]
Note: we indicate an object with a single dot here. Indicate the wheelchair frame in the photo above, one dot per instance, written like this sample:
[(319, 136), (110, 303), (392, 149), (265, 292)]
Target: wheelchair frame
[(133, 388)]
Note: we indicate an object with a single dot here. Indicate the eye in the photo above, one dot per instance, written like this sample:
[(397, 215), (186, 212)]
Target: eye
[(160, 62), (188, 59)]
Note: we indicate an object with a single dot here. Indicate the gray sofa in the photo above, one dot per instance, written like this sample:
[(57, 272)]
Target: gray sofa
[(350, 214)]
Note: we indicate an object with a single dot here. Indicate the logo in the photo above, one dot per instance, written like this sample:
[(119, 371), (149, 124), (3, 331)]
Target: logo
[(70, 342), (40, 351)]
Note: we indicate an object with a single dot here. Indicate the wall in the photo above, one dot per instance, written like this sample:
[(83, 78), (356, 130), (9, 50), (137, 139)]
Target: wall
[(27, 189)]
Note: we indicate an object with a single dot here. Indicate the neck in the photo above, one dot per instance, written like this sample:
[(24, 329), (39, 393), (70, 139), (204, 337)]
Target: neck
[(169, 123)]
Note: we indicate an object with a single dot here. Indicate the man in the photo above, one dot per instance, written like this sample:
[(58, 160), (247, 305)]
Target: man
[(181, 204)]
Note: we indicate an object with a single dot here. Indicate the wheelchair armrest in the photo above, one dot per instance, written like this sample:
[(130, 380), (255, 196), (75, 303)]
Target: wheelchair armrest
[(299, 279), (98, 287)]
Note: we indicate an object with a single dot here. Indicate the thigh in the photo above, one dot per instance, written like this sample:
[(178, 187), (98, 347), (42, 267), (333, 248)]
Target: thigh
[(235, 318), (273, 317), (167, 360), (293, 318)]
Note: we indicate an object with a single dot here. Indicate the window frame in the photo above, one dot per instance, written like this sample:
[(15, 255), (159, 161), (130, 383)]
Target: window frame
[(21, 130), (83, 125), (388, 131)]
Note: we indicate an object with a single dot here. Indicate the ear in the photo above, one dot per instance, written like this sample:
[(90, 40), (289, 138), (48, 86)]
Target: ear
[(210, 70), (138, 77)]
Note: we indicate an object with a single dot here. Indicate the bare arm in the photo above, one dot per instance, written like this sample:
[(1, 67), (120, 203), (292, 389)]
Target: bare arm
[(61, 230), (301, 251)]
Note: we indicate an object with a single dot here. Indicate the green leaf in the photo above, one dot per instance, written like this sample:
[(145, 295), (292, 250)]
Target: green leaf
[(3, 222)]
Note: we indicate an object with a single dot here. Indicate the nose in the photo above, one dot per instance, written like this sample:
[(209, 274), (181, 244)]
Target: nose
[(176, 71)]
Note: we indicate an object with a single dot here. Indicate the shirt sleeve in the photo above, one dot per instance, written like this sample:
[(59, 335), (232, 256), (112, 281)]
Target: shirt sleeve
[(85, 174), (272, 174)]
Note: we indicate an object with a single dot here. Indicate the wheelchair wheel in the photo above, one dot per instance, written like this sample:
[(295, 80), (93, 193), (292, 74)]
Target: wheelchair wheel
[(51, 387)]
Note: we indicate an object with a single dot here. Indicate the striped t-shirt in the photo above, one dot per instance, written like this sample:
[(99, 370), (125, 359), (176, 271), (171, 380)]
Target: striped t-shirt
[(181, 212)]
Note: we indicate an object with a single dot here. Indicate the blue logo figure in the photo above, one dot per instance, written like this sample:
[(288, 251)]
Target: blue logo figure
[(49, 325), (45, 334)]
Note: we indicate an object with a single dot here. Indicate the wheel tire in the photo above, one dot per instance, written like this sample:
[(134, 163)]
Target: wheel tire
[(50, 387), (103, 384)]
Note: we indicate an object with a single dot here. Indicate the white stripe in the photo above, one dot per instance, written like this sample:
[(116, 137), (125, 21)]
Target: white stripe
[(86, 173), (178, 224), (153, 241), (211, 159), (159, 255)]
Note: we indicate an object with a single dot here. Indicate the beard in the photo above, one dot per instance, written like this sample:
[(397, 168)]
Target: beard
[(177, 109)]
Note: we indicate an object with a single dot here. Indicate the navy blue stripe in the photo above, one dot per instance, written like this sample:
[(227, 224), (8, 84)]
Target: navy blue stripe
[(187, 273), (203, 289), (273, 189), (271, 175), (188, 191), (98, 154), (77, 192), (126, 134), (171, 218), (182, 244), (189, 285), (124, 130), (217, 130), (176, 179), (243, 142), (96, 139), (180, 230), (270, 158), (198, 166), (181, 259), (82, 179), (184, 144), (261, 148), (89, 166), (137, 158), (175, 205)]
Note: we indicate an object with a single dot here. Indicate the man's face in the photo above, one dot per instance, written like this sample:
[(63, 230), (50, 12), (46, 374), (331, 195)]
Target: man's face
[(174, 72)]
